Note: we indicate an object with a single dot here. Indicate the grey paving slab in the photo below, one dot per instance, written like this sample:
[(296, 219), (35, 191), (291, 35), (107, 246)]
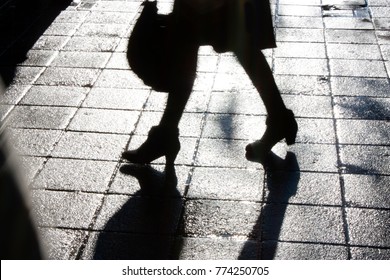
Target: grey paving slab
[(61, 244), (381, 23), (116, 6), (227, 183), (305, 85), (303, 223), (367, 190), (152, 215), (360, 86), (229, 64), (102, 30), (4, 111), (236, 102), (105, 17), (112, 98), (299, 34), (13, 94), (59, 76), (368, 132), (151, 180), (307, 11), (119, 79), (318, 106), (303, 188), (81, 59), (61, 29), (364, 253), (205, 81), (33, 142), (348, 23), (385, 51), (48, 42), (365, 159), (362, 107), (198, 101), (374, 232), (71, 17), (302, 251), (299, 22), (236, 83), (357, 68), (127, 246), (350, 36), (383, 37), (82, 145), (105, 121), (29, 166), (65, 209), (227, 126), (301, 66), (91, 44), (54, 96), (300, 50), (189, 248), (204, 218), (38, 58), (75, 175), (354, 51), (207, 63), (118, 60), (315, 131), (24, 75), (40, 117)]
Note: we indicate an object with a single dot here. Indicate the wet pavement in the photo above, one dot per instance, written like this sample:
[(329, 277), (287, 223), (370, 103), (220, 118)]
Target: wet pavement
[(73, 106)]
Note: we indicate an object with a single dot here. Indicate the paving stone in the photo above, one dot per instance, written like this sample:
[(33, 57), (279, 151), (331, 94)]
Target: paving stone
[(357, 68), (81, 59), (13, 94), (71, 16), (362, 107), (40, 117), (299, 22), (33, 142), (373, 232), (198, 101), (299, 35), (185, 155), (157, 101), (302, 251), (30, 166), (205, 81), (307, 11), (348, 23), (385, 51), (350, 36), (236, 102), (135, 214), (366, 132), (316, 131), (115, 98), (301, 66), (204, 218), (302, 188), (4, 111), (228, 126), (53, 43), (365, 159), (61, 244), (22, 75), (230, 64), (81, 145), (367, 190), (383, 37), (119, 79), (116, 6), (354, 51), (151, 180), (300, 50), (207, 63), (61, 29), (355, 86), (227, 183), (54, 96), (302, 223), (102, 30), (38, 58), (118, 61), (320, 106), (223, 153), (78, 77), (364, 253), (381, 23), (103, 120), (65, 209), (215, 249), (126, 246), (306, 85), (230, 82), (104, 17), (75, 175), (92, 44), (301, 2)]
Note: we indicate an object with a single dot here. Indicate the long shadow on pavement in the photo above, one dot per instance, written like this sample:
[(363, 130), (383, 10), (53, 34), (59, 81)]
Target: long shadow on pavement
[(282, 178), (145, 225)]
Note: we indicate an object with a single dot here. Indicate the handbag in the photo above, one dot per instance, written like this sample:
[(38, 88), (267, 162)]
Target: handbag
[(148, 51)]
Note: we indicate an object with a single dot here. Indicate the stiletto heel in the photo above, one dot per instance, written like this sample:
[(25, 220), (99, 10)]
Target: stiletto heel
[(161, 142), (281, 127)]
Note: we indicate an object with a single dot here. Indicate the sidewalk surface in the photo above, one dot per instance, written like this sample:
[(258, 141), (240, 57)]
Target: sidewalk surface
[(73, 106)]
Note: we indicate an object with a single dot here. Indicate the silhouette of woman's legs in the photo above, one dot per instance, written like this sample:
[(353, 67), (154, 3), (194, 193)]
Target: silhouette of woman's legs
[(281, 123)]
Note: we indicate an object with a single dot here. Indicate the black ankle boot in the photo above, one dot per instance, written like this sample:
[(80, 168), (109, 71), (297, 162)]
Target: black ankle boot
[(161, 141), (282, 126)]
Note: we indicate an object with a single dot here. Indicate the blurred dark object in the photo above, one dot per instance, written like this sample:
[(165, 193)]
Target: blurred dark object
[(19, 238)]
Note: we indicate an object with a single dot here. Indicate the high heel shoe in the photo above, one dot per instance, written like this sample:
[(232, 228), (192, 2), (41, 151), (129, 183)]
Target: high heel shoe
[(161, 141), (283, 126)]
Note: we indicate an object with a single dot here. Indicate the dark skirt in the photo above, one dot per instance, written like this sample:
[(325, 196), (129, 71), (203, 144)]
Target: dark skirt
[(227, 25)]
